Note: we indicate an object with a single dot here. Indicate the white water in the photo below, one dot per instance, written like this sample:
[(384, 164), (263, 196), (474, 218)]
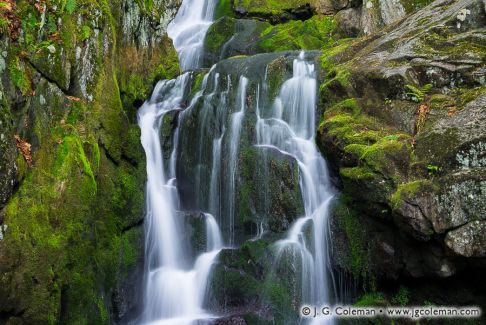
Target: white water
[(188, 30), (236, 123), (290, 127), (175, 285)]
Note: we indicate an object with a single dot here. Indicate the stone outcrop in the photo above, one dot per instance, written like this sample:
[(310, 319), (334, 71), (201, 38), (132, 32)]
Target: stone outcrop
[(71, 165), (416, 149)]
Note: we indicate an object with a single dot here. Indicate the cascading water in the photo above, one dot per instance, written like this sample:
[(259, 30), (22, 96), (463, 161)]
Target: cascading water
[(212, 133), (188, 30), (290, 127), (175, 289)]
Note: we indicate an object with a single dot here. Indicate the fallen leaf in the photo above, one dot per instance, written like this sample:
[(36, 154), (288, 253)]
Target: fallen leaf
[(74, 99), (25, 149)]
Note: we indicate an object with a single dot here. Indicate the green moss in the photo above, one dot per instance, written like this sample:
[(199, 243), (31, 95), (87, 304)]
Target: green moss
[(356, 237), (276, 72), (85, 32), (4, 23), (338, 78), (218, 34), (67, 219), (464, 96), (223, 9), (407, 191), (278, 294), (138, 69), (372, 299), (247, 189), (196, 86), (380, 154), (19, 76), (357, 173), (268, 7), (402, 297), (327, 58), (414, 5), (312, 34), (358, 129)]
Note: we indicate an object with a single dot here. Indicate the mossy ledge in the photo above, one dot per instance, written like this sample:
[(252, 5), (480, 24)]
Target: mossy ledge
[(71, 231)]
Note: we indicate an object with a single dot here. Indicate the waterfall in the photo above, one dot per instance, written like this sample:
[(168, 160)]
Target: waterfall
[(236, 123), (175, 287), (290, 128), (214, 128), (188, 30)]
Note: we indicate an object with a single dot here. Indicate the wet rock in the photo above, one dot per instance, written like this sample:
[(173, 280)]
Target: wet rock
[(194, 224), (229, 37), (468, 240), (230, 320)]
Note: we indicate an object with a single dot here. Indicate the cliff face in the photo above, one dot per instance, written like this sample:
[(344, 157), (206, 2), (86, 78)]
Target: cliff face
[(402, 124), (72, 169)]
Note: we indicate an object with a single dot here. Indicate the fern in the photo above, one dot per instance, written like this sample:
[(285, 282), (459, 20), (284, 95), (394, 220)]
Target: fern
[(418, 94), (70, 6)]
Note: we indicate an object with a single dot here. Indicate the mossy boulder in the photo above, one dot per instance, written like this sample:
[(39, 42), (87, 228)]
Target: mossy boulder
[(275, 11), (228, 37), (416, 167), (248, 281)]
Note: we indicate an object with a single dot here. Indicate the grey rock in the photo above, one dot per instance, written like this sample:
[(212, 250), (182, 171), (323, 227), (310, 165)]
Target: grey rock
[(468, 240)]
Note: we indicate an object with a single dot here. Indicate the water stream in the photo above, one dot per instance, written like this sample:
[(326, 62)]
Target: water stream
[(175, 285), (176, 278)]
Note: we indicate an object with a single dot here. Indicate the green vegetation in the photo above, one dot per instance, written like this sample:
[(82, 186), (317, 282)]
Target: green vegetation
[(267, 7), (350, 222), (402, 297), (19, 76), (407, 191), (432, 169), (418, 94), (372, 299), (312, 34), (218, 34), (223, 8), (71, 234)]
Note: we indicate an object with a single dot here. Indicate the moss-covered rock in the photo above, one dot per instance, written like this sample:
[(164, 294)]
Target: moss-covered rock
[(275, 11), (316, 33), (421, 181), (70, 233), (229, 37), (248, 281)]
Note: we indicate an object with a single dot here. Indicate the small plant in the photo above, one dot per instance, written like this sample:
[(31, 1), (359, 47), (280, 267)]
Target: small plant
[(388, 101), (432, 169), (402, 297), (85, 32), (69, 6), (392, 137), (418, 94)]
